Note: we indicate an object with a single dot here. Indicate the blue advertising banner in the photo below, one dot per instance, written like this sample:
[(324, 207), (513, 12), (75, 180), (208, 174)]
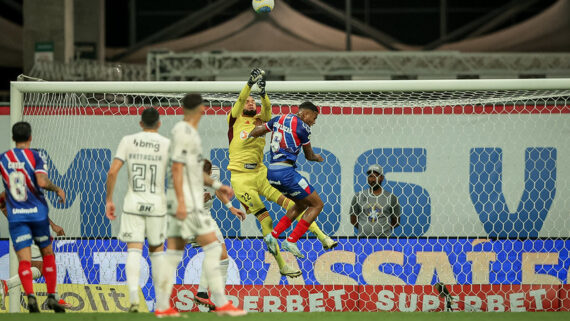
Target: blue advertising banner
[(355, 261)]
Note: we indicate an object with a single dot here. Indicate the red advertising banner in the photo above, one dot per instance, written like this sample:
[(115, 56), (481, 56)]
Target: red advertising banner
[(401, 298), (476, 297)]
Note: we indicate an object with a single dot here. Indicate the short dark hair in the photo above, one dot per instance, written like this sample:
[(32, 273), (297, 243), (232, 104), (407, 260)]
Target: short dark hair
[(150, 117), (21, 132), (191, 101), (207, 166), (309, 105)]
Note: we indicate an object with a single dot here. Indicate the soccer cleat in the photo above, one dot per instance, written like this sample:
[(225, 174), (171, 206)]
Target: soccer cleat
[(328, 243), (134, 308), (53, 304), (202, 298), (33, 304), (230, 309), (272, 245), (292, 247), (170, 312), (64, 304), (286, 270)]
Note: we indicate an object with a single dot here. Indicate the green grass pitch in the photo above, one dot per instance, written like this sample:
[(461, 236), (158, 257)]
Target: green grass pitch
[(309, 316)]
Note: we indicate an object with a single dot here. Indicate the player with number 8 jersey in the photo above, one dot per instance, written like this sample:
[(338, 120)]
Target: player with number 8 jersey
[(24, 174)]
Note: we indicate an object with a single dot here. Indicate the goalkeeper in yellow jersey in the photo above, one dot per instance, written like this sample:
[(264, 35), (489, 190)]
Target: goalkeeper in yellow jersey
[(248, 174)]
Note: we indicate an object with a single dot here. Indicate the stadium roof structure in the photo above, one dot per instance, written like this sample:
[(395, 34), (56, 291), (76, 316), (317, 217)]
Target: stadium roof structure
[(285, 29)]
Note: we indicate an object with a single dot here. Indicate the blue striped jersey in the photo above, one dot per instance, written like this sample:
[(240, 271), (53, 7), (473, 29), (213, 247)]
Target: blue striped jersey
[(289, 133), (25, 200)]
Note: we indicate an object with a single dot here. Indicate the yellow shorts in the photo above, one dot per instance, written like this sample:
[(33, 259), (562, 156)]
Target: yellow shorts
[(248, 186)]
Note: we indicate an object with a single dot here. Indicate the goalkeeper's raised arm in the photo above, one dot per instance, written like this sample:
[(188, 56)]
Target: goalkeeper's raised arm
[(245, 103)]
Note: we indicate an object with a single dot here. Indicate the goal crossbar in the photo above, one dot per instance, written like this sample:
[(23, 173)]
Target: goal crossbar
[(297, 86)]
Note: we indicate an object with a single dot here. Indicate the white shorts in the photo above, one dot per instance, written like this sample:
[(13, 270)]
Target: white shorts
[(134, 228), (193, 226)]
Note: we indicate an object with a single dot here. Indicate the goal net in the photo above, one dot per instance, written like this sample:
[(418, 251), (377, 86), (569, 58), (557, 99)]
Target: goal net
[(480, 170)]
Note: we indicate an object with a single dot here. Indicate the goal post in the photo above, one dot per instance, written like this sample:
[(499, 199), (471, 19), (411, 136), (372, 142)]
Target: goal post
[(479, 168)]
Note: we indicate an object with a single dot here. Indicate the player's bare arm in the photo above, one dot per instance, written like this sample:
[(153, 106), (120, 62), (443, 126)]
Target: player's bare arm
[(354, 210), (58, 230), (310, 154), (226, 201), (396, 210), (3, 204), (219, 187), (111, 180), (258, 131), (177, 172), (45, 183)]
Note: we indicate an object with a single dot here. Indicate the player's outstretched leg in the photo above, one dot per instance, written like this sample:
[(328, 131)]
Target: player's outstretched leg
[(313, 205), (326, 241), (273, 247)]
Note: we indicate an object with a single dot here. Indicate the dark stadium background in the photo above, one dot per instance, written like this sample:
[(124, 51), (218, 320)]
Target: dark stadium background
[(414, 22)]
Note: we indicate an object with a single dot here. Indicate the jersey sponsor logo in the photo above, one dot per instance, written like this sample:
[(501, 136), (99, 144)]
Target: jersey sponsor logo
[(16, 165), (250, 166), (41, 238), (243, 135), (145, 207), (23, 238), (373, 214), (25, 210), (144, 144), (274, 182)]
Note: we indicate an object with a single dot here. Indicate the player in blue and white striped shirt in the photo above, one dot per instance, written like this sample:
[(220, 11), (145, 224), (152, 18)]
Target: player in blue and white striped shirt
[(290, 133), (24, 174)]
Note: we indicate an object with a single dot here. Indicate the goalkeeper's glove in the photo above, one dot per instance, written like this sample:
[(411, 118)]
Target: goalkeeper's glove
[(254, 76), (261, 85)]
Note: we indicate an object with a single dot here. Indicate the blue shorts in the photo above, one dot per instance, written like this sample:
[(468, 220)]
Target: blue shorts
[(22, 234), (289, 182)]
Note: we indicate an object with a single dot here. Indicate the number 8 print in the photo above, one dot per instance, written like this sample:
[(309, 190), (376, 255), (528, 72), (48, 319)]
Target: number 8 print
[(18, 186)]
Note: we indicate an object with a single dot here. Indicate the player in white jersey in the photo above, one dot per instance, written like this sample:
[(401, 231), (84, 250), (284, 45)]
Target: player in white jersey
[(192, 219), (201, 296), (144, 207)]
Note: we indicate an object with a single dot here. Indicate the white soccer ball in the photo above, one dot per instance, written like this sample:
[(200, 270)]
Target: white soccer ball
[(262, 6)]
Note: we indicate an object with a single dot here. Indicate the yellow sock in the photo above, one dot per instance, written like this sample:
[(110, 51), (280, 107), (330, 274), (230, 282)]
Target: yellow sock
[(313, 228), (266, 228)]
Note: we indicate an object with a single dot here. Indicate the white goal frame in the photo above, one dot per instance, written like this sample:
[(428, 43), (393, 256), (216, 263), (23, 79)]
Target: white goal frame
[(18, 89)]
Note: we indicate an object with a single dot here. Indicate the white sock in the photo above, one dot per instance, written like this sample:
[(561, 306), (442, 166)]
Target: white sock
[(15, 280), (224, 265), (203, 286), (133, 269), (171, 260), (157, 265), (211, 267)]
